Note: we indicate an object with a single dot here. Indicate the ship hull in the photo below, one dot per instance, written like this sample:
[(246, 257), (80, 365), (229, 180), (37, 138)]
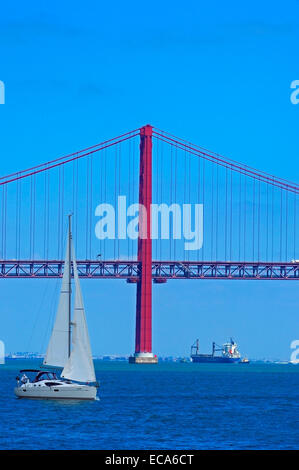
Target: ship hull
[(207, 359)]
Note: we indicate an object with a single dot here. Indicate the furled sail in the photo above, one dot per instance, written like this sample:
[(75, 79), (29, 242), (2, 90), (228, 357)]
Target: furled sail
[(79, 366), (58, 348)]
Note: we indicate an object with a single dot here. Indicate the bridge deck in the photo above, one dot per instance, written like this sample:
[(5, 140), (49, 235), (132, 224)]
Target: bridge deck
[(161, 270)]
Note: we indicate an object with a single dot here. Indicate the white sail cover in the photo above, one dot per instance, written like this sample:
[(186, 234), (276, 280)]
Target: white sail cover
[(57, 352), (79, 366)]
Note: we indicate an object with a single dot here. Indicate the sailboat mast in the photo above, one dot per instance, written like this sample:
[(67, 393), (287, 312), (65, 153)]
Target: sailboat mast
[(70, 284)]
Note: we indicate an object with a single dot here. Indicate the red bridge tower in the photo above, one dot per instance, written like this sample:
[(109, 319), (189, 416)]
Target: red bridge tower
[(143, 343)]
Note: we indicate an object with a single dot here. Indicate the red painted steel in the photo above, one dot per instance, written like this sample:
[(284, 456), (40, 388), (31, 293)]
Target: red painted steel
[(143, 341), (162, 271)]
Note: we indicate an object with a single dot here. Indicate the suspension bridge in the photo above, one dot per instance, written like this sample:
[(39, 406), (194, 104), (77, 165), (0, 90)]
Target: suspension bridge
[(250, 218)]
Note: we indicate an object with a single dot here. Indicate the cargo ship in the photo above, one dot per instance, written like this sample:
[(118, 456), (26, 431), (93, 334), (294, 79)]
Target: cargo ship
[(229, 353)]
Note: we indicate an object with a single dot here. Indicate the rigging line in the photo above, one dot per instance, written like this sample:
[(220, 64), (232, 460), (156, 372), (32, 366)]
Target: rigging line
[(220, 157), (50, 316), (65, 162), (47, 164), (292, 187), (39, 309)]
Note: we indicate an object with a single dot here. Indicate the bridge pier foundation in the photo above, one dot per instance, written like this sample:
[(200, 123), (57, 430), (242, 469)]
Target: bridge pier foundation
[(143, 358)]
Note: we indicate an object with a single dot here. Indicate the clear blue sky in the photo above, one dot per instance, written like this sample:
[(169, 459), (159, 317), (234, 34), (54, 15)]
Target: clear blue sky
[(217, 74)]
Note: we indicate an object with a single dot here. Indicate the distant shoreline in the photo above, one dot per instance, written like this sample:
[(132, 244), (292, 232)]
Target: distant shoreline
[(114, 358)]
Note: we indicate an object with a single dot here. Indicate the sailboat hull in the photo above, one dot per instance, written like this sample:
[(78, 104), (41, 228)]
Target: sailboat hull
[(62, 392)]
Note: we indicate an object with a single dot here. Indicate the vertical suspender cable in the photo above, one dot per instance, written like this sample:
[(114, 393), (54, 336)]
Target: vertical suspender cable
[(259, 220), (295, 218), (217, 209), (203, 199), (212, 214), (119, 193), (286, 232), (240, 197), (245, 218), (175, 190), (231, 214), (267, 221), (90, 208), (253, 222), (281, 219), (225, 231)]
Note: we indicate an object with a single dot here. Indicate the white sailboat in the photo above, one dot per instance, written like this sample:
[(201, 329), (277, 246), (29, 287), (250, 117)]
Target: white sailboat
[(69, 347)]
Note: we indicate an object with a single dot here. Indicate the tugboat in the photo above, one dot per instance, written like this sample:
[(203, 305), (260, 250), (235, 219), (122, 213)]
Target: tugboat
[(245, 360), (229, 353)]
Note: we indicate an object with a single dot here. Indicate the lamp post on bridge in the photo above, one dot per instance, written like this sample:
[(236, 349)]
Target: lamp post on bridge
[(143, 335)]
